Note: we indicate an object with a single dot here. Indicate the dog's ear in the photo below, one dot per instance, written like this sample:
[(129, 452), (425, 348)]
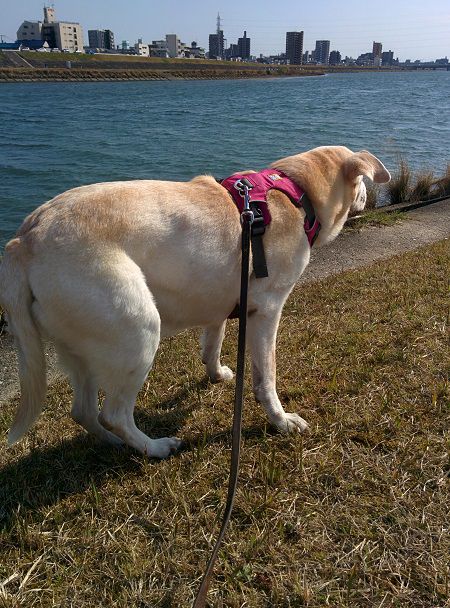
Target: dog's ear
[(365, 163)]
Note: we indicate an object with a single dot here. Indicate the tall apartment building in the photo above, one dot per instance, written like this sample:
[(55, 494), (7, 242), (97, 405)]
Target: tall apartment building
[(58, 34), (96, 39), (216, 45), (244, 47), (377, 52), (322, 52), (294, 47), (101, 39), (109, 40), (174, 45)]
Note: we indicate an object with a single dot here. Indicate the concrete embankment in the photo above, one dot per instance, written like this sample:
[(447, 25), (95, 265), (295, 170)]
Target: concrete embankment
[(84, 74)]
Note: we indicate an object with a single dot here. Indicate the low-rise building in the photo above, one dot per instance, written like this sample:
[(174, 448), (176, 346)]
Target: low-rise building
[(142, 49), (196, 51), (29, 30), (63, 35), (101, 39), (335, 58), (158, 48)]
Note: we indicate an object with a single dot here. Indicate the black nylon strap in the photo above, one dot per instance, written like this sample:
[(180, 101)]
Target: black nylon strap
[(200, 600), (259, 257), (258, 229), (308, 208)]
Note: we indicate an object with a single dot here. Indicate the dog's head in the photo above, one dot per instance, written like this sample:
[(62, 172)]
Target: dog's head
[(358, 165), (332, 176)]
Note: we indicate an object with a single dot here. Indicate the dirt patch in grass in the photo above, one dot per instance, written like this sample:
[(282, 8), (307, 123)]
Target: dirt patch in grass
[(354, 514)]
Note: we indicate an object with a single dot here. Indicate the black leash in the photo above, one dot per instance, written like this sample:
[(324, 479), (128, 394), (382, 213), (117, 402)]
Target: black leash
[(246, 221)]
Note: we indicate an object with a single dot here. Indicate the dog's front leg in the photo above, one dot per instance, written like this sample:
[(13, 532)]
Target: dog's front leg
[(211, 342), (262, 334)]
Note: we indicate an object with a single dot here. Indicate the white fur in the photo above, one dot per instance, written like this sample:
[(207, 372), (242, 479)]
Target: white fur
[(105, 271)]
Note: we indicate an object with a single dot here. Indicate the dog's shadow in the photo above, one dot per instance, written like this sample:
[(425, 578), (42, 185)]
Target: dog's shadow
[(48, 474)]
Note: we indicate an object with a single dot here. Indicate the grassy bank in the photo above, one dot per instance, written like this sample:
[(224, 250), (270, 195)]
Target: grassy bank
[(352, 515), (53, 66)]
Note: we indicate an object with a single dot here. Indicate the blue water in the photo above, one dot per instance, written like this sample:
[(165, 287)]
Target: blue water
[(54, 136)]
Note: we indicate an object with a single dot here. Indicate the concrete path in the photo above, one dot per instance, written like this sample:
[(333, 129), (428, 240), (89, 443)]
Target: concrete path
[(352, 249), (355, 248)]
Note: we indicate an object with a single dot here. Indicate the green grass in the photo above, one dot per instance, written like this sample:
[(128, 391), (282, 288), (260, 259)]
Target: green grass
[(354, 514), (378, 218)]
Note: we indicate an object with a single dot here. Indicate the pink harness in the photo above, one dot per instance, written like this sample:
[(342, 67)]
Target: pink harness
[(259, 185)]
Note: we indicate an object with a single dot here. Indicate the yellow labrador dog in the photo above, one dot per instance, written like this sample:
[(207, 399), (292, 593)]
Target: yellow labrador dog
[(105, 271)]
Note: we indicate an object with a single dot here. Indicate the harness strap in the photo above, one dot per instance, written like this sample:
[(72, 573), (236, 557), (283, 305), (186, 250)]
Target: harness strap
[(311, 225), (257, 230)]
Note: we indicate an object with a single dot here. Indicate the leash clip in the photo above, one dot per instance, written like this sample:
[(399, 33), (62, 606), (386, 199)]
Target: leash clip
[(247, 215), (241, 184)]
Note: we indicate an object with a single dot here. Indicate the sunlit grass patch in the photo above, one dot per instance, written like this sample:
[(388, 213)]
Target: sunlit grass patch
[(378, 218), (353, 514)]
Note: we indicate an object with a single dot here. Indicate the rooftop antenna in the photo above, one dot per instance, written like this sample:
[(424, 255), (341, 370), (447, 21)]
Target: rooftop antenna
[(218, 24), (220, 46)]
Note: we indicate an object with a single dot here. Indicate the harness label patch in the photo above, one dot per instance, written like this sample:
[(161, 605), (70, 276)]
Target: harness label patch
[(274, 177)]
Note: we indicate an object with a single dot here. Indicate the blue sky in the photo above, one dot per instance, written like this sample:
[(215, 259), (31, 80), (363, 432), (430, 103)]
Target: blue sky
[(412, 29)]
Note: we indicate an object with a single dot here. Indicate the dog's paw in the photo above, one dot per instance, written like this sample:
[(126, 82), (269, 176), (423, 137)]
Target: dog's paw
[(223, 375), (164, 447), (292, 423)]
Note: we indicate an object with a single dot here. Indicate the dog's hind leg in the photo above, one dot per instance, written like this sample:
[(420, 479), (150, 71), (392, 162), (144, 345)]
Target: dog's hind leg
[(85, 410), (211, 343), (124, 358), (85, 397), (120, 398), (117, 415)]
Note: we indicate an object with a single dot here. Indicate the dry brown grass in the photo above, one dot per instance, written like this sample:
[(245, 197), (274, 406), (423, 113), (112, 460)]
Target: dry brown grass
[(423, 186), (442, 184), (408, 186), (355, 514), (399, 188)]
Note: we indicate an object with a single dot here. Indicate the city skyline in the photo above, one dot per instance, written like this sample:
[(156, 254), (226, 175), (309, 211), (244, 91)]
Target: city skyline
[(411, 29)]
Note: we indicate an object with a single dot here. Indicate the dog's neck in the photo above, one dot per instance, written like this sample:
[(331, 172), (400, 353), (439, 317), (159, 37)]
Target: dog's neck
[(331, 212)]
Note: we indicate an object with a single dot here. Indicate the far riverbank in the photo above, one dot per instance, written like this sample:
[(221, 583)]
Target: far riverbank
[(27, 66)]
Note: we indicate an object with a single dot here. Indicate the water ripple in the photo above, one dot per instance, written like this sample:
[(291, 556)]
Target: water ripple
[(92, 132)]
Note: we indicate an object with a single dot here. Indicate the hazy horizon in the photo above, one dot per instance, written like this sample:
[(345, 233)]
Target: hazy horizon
[(411, 29)]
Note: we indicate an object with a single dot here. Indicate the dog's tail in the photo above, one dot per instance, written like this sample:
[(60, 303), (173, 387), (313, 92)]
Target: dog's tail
[(16, 298)]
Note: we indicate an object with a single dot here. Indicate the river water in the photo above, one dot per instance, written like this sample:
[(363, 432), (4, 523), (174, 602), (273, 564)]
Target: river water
[(54, 136)]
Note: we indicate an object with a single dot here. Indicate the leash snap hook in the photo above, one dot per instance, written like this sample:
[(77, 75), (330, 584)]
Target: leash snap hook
[(247, 215)]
